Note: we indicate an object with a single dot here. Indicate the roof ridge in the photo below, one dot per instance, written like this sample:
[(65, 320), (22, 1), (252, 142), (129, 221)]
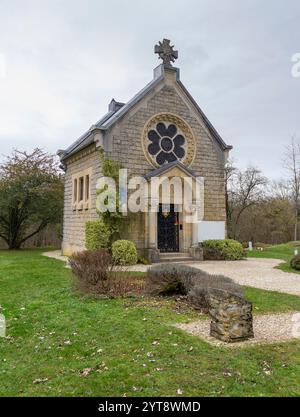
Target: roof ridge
[(113, 116)]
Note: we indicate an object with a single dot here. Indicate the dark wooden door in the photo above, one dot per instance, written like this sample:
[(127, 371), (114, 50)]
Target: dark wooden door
[(168, 230)]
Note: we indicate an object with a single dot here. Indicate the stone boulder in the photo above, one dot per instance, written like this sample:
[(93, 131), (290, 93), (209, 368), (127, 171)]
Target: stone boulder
[(231, 316)]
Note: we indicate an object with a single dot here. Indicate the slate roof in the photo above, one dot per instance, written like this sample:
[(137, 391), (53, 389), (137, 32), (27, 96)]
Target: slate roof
[(112, 116)]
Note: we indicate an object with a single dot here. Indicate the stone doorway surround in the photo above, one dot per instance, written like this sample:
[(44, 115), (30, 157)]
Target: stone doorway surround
[(168, 228), (188, 232)]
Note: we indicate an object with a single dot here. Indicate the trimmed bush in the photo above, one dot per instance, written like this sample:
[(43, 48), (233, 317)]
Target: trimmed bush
[(198, 296), (124, 252), (92, 268), (226, 249), (97, 235), (295, 262), (175, 279), (169, 279)]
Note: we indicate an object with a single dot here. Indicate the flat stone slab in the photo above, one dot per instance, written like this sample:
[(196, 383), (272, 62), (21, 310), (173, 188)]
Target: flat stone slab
[(268, 328)]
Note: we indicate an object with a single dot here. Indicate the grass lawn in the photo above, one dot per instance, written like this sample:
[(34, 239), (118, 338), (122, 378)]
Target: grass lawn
[(128, 345), (284, 251)]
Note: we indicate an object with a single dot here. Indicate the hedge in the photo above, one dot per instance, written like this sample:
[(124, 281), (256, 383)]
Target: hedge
[(227, 249), (97, 235)]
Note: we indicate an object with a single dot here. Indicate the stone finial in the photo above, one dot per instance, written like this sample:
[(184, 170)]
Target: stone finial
[(166, 52)]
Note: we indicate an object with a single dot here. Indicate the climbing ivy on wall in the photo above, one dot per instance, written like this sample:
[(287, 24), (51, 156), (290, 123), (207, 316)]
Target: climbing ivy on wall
[(114, 220)]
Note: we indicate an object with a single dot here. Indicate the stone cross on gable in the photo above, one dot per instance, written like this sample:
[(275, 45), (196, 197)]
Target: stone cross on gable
[(166, 52)]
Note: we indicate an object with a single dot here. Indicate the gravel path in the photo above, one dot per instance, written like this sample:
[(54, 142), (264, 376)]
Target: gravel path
[(56, 254), (268, 328), (253, 272)]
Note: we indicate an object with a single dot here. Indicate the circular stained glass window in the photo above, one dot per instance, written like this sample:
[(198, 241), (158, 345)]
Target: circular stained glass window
[(167, 138), (166, 145)]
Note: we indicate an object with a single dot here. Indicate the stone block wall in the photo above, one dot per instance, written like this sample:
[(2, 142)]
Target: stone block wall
[(74, 220), (123, 143), (125, 140)]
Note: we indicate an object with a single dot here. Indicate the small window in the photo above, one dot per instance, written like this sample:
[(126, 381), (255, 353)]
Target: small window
[(75, 191), (87, 187), (81, 185), (81, 192)]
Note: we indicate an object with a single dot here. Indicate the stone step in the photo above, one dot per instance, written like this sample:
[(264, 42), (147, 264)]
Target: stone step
[(175, 257)]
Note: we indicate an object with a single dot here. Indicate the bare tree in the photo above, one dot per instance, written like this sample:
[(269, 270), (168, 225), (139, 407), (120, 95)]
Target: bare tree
[(280, 190), (247, 189), (291, 163), (230, 172)]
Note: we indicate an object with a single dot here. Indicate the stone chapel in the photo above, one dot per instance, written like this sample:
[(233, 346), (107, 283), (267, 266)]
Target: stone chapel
[(160, 132)]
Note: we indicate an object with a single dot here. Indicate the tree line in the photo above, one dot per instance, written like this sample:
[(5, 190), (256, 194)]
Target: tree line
[(257, 208), (262, 210)]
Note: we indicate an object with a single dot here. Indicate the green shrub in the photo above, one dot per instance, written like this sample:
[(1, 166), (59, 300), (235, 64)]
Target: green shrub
[(97, 235), (226, 249), (295, 262), (142, 260), (124, 252)]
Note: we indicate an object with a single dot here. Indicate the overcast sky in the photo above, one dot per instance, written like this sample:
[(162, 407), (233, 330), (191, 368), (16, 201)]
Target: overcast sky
[(61, 62)]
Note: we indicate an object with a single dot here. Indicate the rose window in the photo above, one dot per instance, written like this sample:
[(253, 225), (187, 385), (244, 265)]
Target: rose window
[(168, 138), (166, 143)]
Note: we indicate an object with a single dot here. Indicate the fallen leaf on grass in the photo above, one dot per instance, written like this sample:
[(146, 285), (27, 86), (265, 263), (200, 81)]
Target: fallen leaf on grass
[(40, 380), (101, 367), (226, 372), (86, 371), (266, 368)]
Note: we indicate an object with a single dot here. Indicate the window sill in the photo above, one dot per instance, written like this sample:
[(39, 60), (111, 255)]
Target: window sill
[(82, 205)]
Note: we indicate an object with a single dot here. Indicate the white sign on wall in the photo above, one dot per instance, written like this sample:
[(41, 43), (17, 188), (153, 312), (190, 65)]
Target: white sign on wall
[(211, 230)]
